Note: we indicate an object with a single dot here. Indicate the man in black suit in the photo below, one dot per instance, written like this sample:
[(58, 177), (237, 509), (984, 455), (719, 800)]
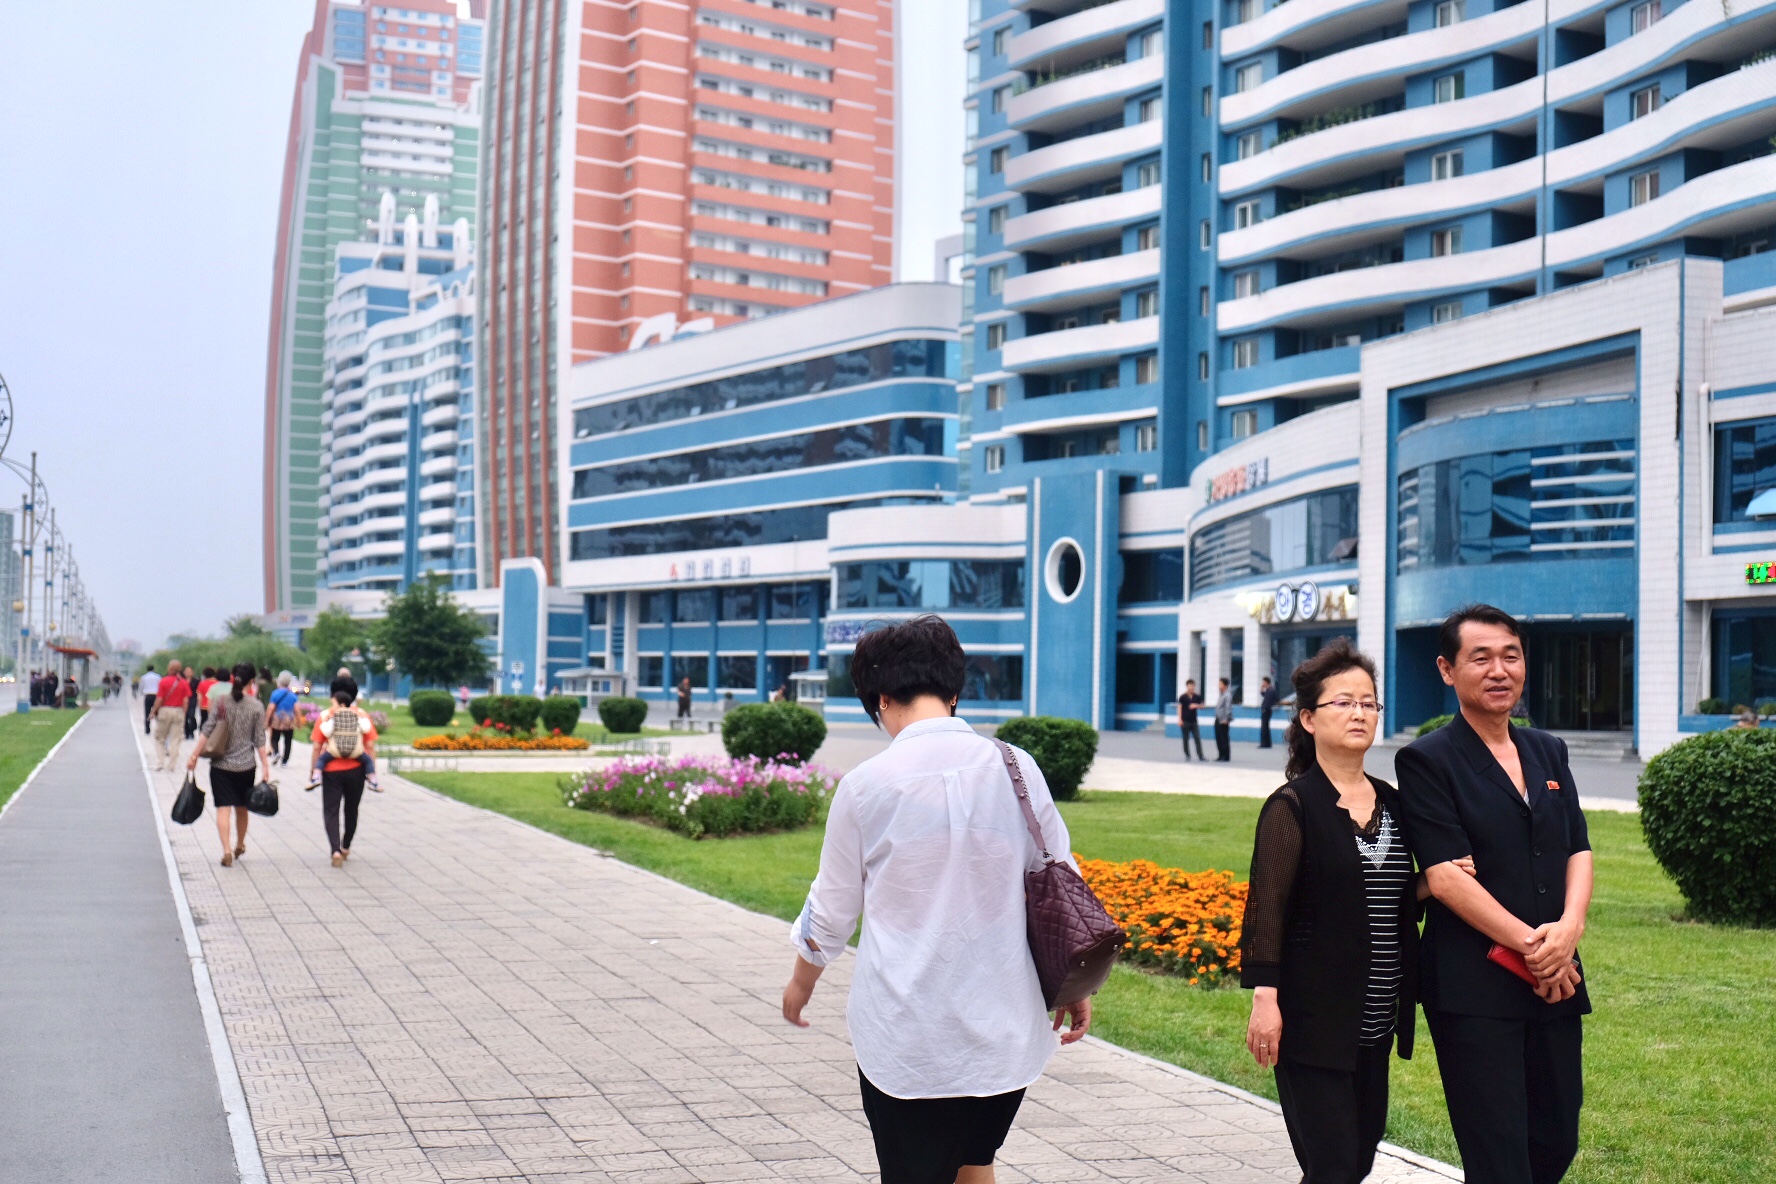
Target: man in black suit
[(1267, 702), (1509, 1053)]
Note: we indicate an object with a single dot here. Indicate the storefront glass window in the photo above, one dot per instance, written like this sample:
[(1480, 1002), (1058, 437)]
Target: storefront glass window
[(933, 583), (1744, 466), (1303, 532)]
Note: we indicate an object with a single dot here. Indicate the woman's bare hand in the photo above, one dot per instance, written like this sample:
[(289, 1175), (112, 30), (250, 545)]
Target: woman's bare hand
[(1264, 1033), (1079, 1017)]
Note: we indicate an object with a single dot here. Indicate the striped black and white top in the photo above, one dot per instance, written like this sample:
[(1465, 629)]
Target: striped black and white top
[(1387, 866)]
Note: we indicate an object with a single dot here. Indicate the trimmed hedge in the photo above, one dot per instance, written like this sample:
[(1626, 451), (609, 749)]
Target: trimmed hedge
[(1708, 809), (517, 712), (478, 709), (1062, 748), (1439, 721), (773, 731), (561, 713), (1712, 707), (431, 709), (623, 715)]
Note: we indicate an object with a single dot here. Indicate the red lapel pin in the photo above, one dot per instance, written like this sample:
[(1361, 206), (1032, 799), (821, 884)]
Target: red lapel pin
[(1554, 787)]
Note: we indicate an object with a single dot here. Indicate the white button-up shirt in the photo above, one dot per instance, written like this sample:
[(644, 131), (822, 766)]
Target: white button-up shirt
[(928, 842)]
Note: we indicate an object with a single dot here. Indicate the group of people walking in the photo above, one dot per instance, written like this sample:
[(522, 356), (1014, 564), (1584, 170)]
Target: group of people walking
[(241, 721), (1483, 838)]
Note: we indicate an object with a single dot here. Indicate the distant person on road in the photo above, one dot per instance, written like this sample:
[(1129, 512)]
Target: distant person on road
[(1267, 701), (280, 717), (70, 692), (341, 738), (1224, 722), (928, 838), (192, 682), (684, 698), (236, 711), (1188, 703), (204, 686), (150, 684), (462, 696), (169, 715)]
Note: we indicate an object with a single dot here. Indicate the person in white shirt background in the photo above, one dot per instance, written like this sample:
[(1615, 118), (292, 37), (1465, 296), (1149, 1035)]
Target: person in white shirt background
[(150, 687), (927, 839)]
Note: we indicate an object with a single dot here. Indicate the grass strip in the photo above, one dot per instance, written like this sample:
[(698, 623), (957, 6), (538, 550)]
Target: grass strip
[(25, 739)]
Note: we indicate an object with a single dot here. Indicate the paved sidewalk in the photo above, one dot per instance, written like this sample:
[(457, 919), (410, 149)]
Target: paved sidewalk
[(105, 1069), (471, 999)]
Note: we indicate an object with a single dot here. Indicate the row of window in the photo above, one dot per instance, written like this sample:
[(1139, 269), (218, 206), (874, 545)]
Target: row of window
[(744, 603), (986, 678), (789, 525), (1062, 447), (1309, 531), (932, 584)]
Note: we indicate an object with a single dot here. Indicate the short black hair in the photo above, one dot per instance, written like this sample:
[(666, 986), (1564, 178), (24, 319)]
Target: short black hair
[(346, 687), (903, 661), (1449, 637)]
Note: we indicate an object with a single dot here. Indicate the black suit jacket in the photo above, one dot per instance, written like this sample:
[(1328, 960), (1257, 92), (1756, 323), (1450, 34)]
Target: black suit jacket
[(1460, 802)]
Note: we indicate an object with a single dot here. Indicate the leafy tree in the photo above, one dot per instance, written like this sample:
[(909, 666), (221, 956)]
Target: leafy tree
[(429, 637), (263, 650), (243, 625)]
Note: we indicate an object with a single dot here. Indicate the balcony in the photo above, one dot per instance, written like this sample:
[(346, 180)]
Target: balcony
[(1083, 35), (1072, 163), (1307, 25), (1301, 376), (437, 415), (1081, 98), (1075, 285), (441, 517), (437, 490), (1059, 228), (1716, 204), (1070, 349), (438, 441), (438, 465)]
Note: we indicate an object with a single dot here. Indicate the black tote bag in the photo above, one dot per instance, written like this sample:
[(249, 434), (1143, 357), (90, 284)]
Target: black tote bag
[(188, 806), (263, 799)]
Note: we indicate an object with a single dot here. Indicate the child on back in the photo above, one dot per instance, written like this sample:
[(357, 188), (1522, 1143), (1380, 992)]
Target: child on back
[(344, 732)]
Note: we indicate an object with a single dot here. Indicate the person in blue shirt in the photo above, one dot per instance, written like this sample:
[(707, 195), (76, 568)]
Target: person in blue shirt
[(280, 717)]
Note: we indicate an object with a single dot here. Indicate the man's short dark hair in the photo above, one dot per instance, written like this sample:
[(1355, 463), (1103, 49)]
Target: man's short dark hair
[(901, 662), (347, 687), (1449, 637)]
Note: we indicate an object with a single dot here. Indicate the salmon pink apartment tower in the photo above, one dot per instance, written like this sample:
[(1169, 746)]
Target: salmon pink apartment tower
[(655, 168)]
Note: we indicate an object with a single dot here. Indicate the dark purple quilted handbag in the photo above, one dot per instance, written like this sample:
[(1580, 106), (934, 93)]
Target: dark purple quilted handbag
[(1073, 940)]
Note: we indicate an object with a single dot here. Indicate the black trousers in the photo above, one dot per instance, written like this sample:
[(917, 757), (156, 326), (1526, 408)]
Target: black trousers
[(1264, 728), (929, 1140), (1336, 1118), (286, 735), (1223, 741), (344, 788), (147, 714), (1192, 731), (1514, 1088)]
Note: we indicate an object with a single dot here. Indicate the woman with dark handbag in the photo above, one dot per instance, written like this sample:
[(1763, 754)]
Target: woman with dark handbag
[(1330, 940), (234, 735), (947, 1012)]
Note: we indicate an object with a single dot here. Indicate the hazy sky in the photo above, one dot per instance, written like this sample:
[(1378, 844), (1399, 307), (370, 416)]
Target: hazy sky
[(141, 154)]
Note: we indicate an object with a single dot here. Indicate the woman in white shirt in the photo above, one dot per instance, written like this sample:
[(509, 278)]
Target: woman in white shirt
[(928, 840)]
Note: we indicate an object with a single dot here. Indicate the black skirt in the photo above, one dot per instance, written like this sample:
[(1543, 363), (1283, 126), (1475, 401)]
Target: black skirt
[(229, 788), (929, 1140)]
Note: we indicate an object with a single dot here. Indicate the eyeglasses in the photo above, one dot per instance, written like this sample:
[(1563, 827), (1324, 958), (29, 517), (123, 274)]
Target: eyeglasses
[(1352, 706)]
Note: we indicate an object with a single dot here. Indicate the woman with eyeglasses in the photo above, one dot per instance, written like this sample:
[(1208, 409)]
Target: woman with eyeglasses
[(1330, 940)]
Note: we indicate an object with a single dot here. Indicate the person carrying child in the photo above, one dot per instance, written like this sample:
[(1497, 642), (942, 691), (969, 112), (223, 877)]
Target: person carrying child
[(344, 756)]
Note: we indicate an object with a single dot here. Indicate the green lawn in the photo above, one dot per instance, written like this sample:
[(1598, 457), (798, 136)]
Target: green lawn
[(1678, 1055), (25, 740)]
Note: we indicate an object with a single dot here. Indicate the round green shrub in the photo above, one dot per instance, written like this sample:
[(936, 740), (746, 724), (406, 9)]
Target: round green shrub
[(1432, 724), (772, 730), (431, 709), (1708, 809), (1712, 707), (561, 713), (619, 714), (518, 712), (1062, 748), (480, 708)]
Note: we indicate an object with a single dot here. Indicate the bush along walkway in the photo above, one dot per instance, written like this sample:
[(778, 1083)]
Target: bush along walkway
[(472, 999)]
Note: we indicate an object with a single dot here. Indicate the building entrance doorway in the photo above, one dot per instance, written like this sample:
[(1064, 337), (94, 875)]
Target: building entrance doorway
[(1581, 680)]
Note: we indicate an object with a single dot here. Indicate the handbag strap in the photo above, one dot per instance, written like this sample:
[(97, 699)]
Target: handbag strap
[(1023, 797)]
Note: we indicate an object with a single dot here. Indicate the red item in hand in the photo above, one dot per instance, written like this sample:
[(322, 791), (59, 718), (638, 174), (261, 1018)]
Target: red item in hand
[(1512, 961)]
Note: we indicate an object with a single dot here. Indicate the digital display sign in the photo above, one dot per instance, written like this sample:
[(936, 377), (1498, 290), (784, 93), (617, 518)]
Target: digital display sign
[(1761, 573)]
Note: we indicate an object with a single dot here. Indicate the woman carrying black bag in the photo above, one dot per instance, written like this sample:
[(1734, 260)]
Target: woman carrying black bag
[(241, 721)]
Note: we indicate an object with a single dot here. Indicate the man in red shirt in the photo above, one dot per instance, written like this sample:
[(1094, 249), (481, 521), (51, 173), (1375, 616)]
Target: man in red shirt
[(169, 715)]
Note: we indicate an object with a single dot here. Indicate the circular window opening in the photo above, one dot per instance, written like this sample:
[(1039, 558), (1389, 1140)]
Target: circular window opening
[(1065, 570)]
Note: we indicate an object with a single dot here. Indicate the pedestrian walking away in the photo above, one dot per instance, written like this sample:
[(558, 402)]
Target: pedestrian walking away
[(150, 684), (234, 739), (1267, 701), (1329, 944), (204, 686), (280, 717), (1224, 722), (1503, 987), (1188, 703), (945, 1044), (169, 716), (192, 682), (342, 739)]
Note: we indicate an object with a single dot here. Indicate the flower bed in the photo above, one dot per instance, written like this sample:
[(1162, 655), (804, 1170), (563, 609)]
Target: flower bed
[(498, 740), (698, 796), (1184, 923)]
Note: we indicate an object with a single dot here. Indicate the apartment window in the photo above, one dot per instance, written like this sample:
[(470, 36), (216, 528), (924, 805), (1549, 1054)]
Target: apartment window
[(1644, 16), (1241, 11), (1442, 314), (1208, 167), (1110, 444), (1450, 87), (995, 396), (1001, 96), (996, 159), (628, 205), (1202, 367), (1208, 34), (1202, 435), (1147, 369), (996, 335), (1152, 43), (1643, 187), (1248, 77), (1245, 353), (1147, 174), (996, 279), (1204, 235), (1208, 100), (1445, 165), (1641, 261), (1149, 110), (1244, 423), (1451, 12), (1001, 40), (1147, 238), (1245, 284), (996, 219), (1147, 303), (1644, 102), (1249, 144), (1202, 301), (1146, 437), (1247, 213), (993, 457), (1447, 241)]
